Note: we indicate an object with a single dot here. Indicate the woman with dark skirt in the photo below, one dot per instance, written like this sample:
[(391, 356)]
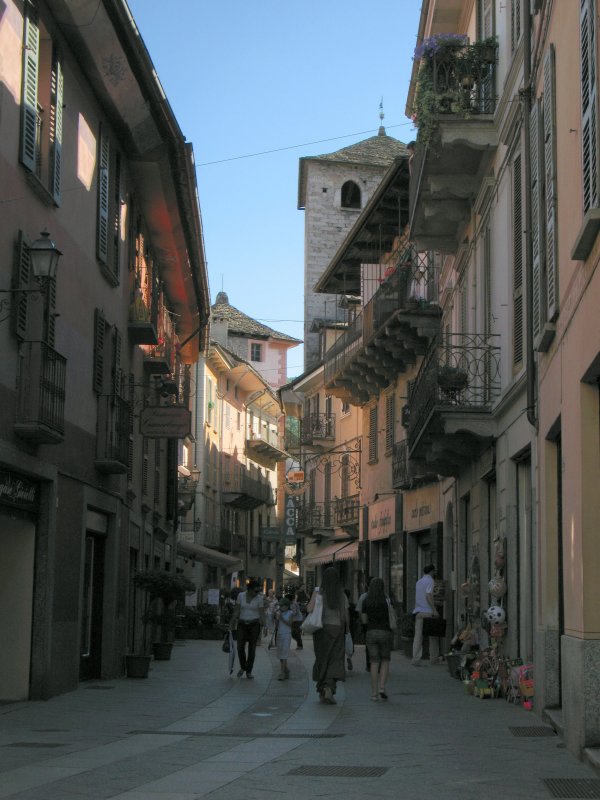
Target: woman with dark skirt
[(328, 641)]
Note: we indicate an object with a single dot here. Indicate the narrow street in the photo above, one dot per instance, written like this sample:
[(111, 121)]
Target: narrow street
[(192, 731)]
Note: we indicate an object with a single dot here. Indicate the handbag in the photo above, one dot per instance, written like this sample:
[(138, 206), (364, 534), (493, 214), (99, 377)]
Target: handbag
[(348, 643), (226, 646), (392, 617), (314, 619), (434, 626)]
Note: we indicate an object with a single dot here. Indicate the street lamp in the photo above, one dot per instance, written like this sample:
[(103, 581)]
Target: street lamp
[(44, 255)]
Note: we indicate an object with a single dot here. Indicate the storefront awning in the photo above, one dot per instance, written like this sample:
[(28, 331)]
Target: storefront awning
[(331, 553), (209, 556)]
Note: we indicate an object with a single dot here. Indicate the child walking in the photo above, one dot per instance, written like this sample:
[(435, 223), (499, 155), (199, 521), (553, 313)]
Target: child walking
[(284, 637)]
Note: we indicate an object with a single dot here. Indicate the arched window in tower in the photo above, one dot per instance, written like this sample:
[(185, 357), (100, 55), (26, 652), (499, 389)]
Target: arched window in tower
[(350, 195)]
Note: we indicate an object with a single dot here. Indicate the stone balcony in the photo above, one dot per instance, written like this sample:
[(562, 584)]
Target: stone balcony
[(451, 401)]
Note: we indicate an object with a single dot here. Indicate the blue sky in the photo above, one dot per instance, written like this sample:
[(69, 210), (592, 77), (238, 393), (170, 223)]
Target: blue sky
[(244, 78)]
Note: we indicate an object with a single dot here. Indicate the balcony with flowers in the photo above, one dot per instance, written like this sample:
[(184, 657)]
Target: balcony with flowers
[(159, 359), (452, 102)]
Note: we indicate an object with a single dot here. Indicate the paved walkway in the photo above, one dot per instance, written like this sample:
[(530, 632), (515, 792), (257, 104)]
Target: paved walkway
[(191, 731)]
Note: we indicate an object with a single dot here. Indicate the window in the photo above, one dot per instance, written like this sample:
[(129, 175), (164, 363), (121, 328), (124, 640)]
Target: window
[(107, 373), (109, 206), (350, 195), (589, 106), (41, 105), (390, 408), (372, 434), (515, 23), (255, 352), (517, 264), (345, 407)]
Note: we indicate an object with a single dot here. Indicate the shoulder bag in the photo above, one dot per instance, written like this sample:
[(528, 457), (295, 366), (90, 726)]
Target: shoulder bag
[(314, 619), (392, 616)]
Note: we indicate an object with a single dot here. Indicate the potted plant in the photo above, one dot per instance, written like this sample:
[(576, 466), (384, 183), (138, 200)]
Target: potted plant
[(163, 590), (209, 622)]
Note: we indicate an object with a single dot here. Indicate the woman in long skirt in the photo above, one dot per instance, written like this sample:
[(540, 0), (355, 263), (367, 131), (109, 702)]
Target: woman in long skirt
[(328, 642)]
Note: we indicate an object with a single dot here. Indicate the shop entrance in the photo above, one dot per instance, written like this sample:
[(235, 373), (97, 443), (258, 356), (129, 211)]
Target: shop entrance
[(91, 607), (17, 554)]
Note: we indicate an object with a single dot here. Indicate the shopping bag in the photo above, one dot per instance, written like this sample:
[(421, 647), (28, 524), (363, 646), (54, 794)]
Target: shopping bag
[(348, 644), (314, 619)]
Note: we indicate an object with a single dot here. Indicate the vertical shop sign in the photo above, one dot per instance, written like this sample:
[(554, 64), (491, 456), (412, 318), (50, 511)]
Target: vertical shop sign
[(290, 520)]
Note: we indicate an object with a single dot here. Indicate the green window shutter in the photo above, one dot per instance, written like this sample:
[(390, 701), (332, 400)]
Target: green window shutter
[(117, 373), (51, 320), (31, 56), (103, 183), (373, 434), (517, 264), (390, 406), (57, 102), (21, 281), (550, 185), (99, 340), (536, 228), (589, 106)]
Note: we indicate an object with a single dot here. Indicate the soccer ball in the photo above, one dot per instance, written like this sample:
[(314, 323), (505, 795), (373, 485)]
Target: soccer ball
[(496, 615)]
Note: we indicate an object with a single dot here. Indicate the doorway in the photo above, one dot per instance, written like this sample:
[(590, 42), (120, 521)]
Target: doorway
[(92, 601)]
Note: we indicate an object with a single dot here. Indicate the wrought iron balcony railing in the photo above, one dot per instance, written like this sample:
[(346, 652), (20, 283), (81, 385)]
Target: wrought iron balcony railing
[(461, 372), (344, 349), (112, 438), (316, 515), (317, 427), (346, 510), (40, 413), (408, 472)]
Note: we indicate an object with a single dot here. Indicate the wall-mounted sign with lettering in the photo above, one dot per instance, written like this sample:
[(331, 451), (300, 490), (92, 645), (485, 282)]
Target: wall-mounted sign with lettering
[(18, 491), (165, 422), (382, 518), (290, 520), (421, 507)]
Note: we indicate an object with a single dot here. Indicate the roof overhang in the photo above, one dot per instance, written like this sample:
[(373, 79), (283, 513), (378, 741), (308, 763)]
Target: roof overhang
[(381, 221), (209, 556)]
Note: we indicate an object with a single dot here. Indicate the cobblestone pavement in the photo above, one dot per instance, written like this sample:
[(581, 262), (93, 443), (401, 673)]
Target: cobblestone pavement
[(192, 731)]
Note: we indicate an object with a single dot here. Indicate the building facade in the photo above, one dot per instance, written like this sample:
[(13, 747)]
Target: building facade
[(93, 357)]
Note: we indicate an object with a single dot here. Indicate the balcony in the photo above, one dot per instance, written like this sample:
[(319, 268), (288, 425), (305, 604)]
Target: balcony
[(238, 543), (40, 412), (265, 448), (408, 473), (112, 435), (141, 326), (450, 403), (315, 519), (316, 428), (159, 360), (248, 493), (346, 513), (394, 328), (454, 106)]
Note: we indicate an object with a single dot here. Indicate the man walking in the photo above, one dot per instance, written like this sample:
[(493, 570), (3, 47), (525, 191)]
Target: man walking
[(424, 609), (249, 618)]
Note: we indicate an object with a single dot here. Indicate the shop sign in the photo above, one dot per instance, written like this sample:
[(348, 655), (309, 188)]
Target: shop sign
[(290, 520), (421, 507), (270, 534), (18, 491), (382, 520), (168, 422)]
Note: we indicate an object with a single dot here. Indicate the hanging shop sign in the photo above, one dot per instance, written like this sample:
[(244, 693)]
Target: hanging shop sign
[(421, 507), (382, 518), (291, 518), (18, 491), (270, 534), (168, 422)]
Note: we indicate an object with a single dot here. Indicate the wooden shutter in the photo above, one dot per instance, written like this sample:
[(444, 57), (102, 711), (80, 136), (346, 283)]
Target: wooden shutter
[(99, 340), (31, 56), (21, 281), (517, 264), (373, 434), (390, 406), (50, 332), (103, 197), (57, 101), (536, 227), (589, 105), (550, 186), (116, 215), (117, 373)]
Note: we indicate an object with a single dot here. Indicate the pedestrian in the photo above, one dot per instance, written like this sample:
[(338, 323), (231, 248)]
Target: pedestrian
[(424, 609), (359, 610), (248, 619), (379, 637), (297, 619), (328, 641), (284, 637), (354, 622), (270, 609)]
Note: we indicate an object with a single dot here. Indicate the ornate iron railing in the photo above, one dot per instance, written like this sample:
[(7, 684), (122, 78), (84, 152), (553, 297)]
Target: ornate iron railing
[(344, 349), (40, 389), (460, 372), (317, 427), (464, 79), (315, 515), (346, 510)]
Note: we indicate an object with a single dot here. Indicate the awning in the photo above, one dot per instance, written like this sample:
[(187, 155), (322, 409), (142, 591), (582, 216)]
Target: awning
[(209, 556), (333, 552)]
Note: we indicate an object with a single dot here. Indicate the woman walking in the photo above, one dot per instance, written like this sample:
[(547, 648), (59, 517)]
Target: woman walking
[(328, 641), (376, 617)]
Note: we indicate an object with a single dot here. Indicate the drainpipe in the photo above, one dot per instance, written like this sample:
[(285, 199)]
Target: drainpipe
[(526, 106)]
